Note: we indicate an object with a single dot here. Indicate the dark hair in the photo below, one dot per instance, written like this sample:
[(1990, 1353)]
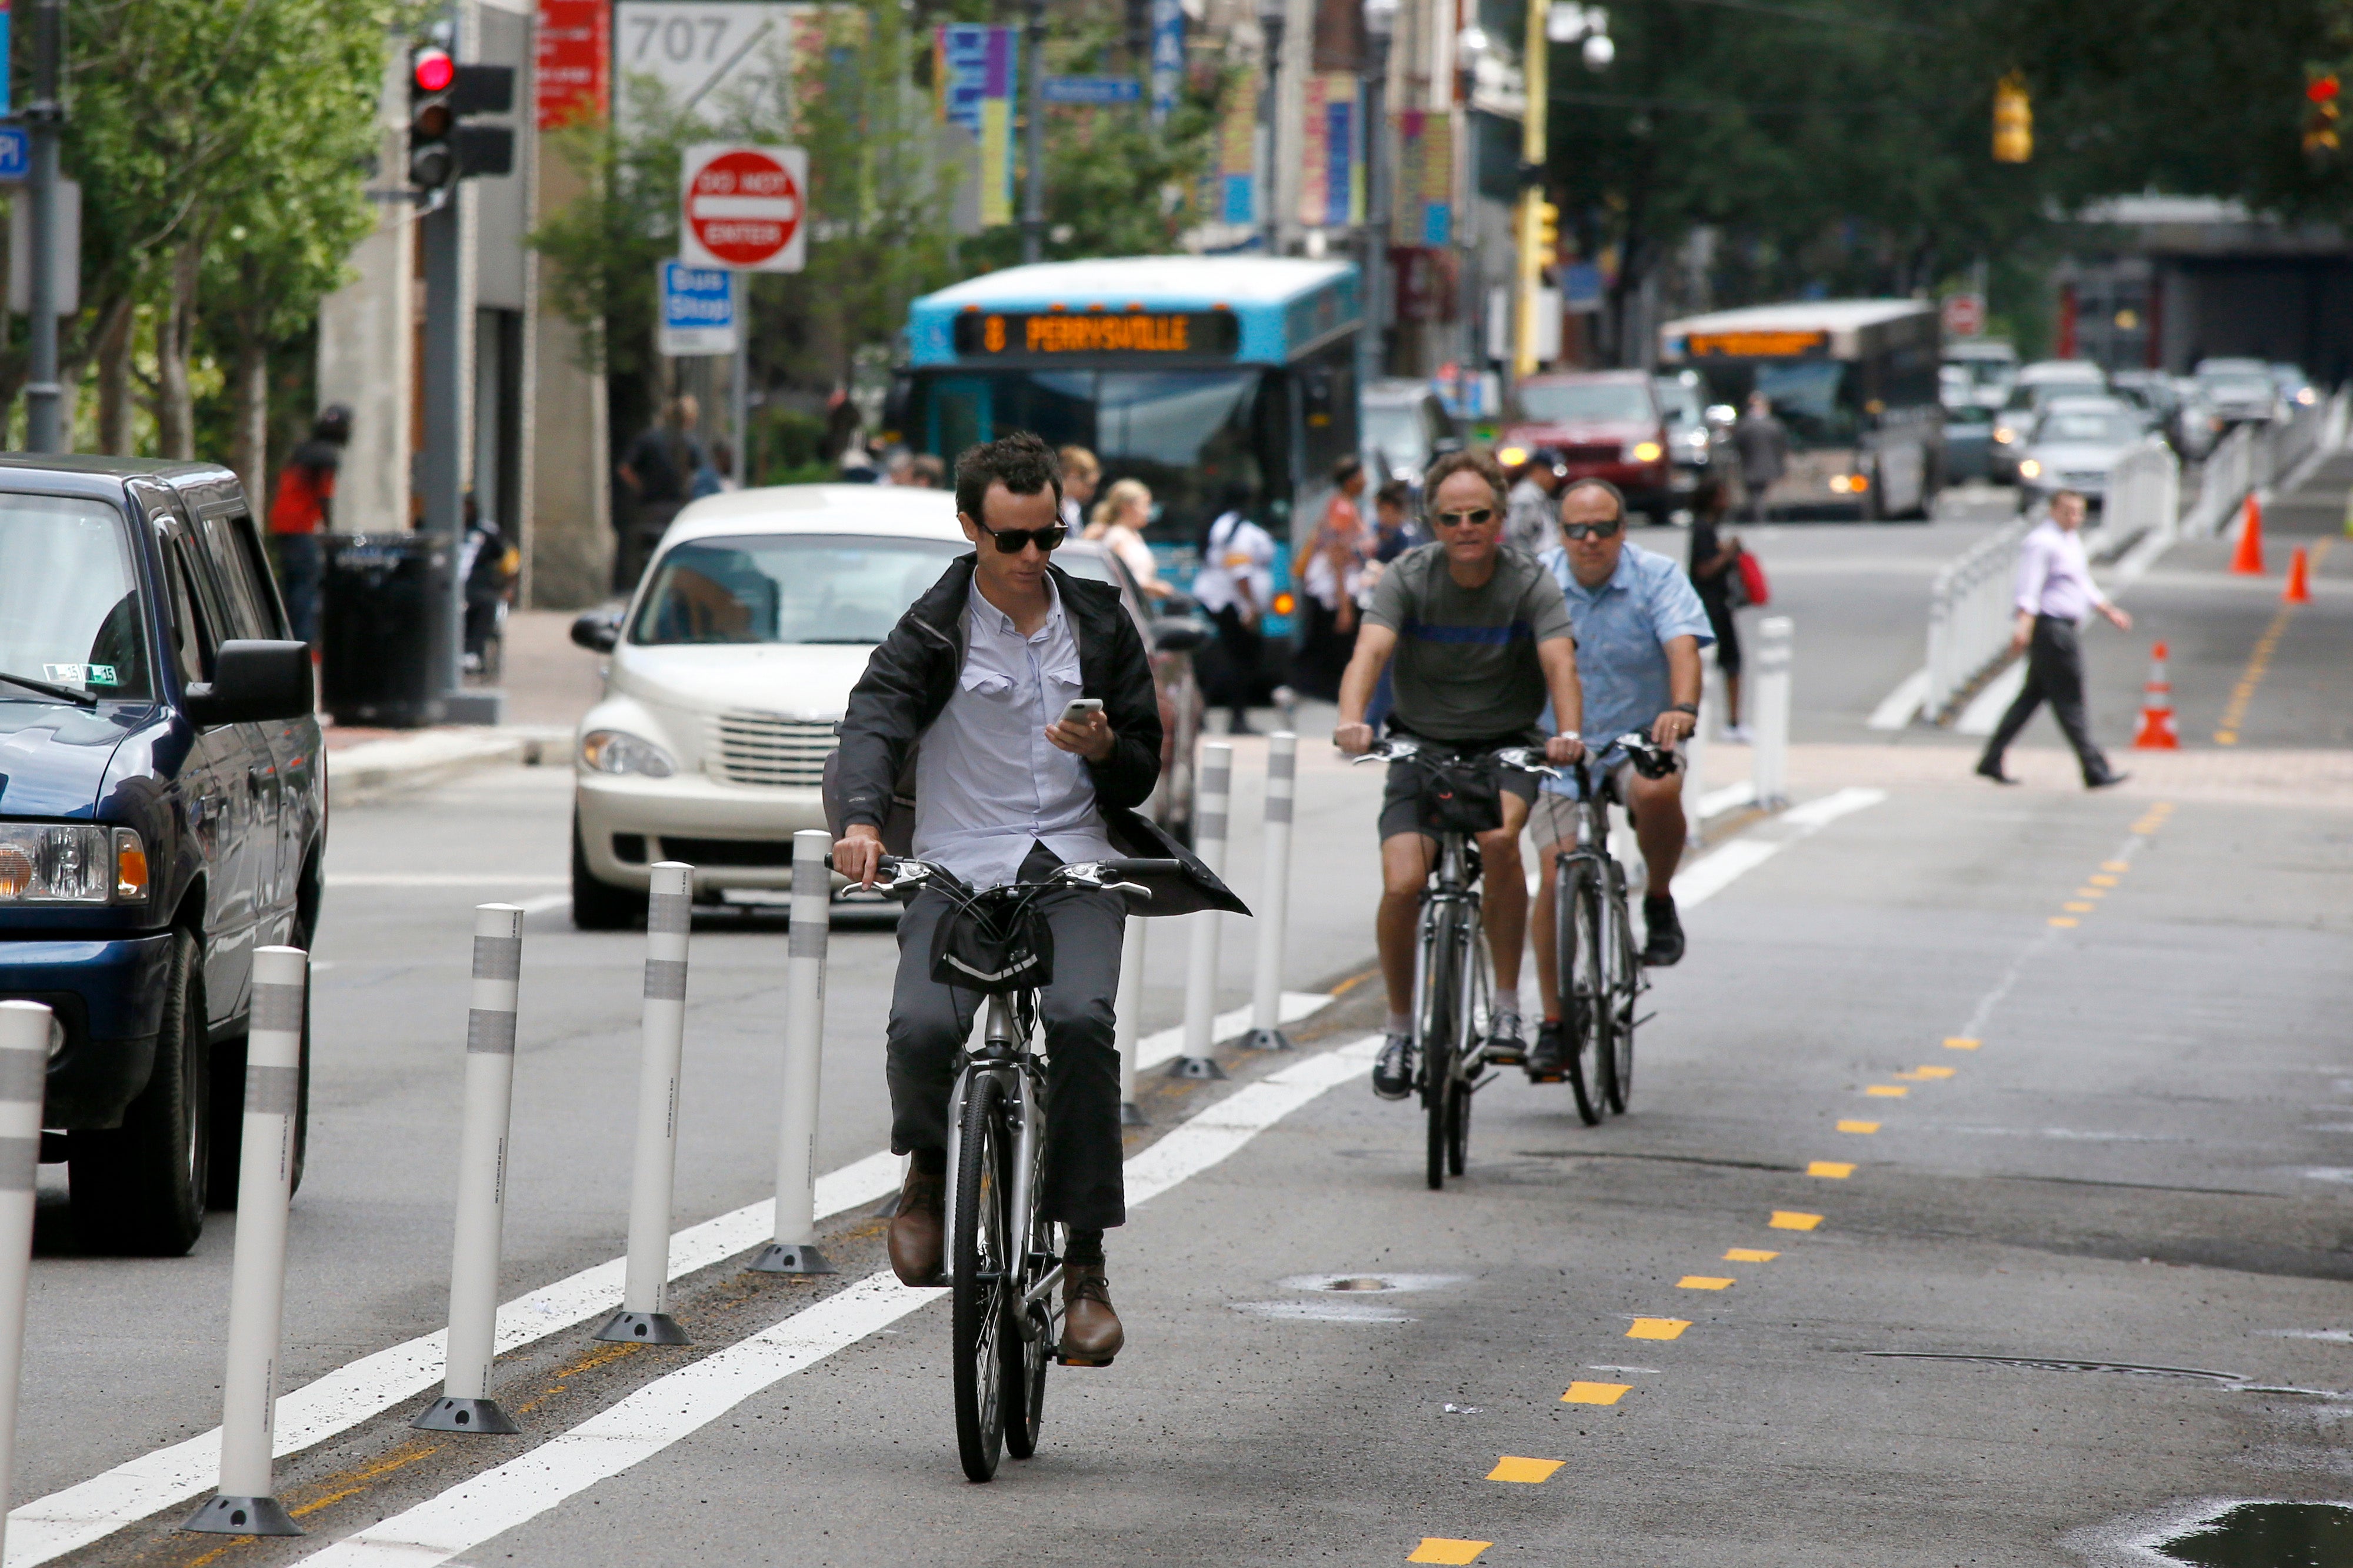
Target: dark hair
[(1453, 463), (1348, 469), (334, 424), (1617, 495), (1020, 462), (1395, 493)]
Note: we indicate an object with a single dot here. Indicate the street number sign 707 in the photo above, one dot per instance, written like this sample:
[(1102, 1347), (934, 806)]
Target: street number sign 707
[(708, 55)]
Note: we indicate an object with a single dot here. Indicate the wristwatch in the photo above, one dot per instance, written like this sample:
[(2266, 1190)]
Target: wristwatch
[(1567, 735), (1690, 708)]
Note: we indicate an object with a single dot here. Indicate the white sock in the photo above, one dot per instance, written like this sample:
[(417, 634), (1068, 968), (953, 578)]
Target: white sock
[(1397, 1023)]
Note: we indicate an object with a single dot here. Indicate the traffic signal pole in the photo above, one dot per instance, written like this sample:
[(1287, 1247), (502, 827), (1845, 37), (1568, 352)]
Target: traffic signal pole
[(448, 427), (1535, 213), (44, 119)]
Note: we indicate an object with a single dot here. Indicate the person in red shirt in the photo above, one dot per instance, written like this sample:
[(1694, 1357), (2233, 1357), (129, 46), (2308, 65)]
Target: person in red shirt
[(301, 511)]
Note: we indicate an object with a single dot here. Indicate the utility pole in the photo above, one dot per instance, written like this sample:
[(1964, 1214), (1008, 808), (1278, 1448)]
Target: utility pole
[(1380, 22), (1033, 186), (1270, 21), (44, 119), (1469, 43), (1531, 259)]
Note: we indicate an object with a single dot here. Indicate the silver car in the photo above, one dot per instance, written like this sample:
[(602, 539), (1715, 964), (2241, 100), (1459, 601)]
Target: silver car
[(2075, 443), (2241, 391)]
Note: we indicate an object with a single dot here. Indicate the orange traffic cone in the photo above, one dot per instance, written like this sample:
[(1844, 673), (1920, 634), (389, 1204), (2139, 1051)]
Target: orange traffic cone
[(2248, 561), (2299, 582), (2156, 732)]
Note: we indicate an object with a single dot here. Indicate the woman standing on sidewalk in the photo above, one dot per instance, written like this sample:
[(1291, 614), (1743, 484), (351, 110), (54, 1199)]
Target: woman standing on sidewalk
[(1332, 561)]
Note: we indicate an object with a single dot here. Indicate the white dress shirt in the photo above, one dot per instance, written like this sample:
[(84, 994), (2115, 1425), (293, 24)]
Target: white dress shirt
[(1237, 550), (2053, 577), (989, 783)]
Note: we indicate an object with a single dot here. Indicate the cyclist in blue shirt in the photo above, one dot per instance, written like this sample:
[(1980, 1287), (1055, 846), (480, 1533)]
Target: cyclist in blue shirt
[(1639, 627)]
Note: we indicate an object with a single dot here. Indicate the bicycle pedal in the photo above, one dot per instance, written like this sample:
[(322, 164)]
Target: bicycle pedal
[(1062, 1359), (1548, 1078)]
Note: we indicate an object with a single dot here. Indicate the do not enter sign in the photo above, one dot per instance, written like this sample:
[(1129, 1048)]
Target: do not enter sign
[(1964, 315), (745, 207)]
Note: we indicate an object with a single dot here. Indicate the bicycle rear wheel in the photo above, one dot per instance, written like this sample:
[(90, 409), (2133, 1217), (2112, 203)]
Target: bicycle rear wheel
[(984, 1274), (1440, 1011), (1578, 951)]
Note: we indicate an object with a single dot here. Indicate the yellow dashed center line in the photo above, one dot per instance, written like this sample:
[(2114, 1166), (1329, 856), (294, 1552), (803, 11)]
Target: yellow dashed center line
[(1834, 1170), (1704, 1282), (1783, 1219), (1750, 1255), (1511, 1468), (2098, 881), (2063, 920), (2259, 663), (1962, 1043), (1436, 1549), (1885, 1091), (1658, 1327), (1858, 1126), (1598, 1393), (2077, 908)]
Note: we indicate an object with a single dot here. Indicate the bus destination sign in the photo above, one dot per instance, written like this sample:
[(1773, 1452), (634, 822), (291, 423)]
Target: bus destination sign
[(1055, 333), (1756, 344)]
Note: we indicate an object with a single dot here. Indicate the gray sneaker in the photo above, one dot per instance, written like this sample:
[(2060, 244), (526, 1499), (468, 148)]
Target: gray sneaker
[(1393, 1069), (1506, 1046)]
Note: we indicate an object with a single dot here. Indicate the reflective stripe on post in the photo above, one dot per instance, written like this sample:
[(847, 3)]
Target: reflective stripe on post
[(645, 1298), (793, 1250), (466, 1404), (1274, 898), (24, 1074), (1211, 798), (247, 1503), (1128, 1015), (1769, 709)]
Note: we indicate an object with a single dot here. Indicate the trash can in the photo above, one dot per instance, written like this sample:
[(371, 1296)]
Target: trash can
[(374, 610)]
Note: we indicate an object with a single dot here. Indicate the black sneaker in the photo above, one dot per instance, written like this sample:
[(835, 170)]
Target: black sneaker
[(1505, 1048), (1664, 943), (1548, 1063), (1393, 1069)]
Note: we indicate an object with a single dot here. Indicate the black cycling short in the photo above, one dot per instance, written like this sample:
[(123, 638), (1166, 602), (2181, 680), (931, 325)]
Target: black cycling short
[(1401, 800)]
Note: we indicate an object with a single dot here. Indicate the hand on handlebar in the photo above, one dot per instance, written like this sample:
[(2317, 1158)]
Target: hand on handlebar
[(1671, 728), (1563, 749), (1356, 740), (857, 854)]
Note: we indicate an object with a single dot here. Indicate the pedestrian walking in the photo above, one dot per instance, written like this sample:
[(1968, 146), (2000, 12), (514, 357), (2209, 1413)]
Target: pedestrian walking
[(658, 474), (1233, 586), (1763, 446), (1714, 566), (2055, 595), (301, 511), (1082, 473), (1118, 527), (1332, 566), (1529, 510)]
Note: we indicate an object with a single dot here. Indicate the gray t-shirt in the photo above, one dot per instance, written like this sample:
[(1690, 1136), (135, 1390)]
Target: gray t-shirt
[(1465, 667)]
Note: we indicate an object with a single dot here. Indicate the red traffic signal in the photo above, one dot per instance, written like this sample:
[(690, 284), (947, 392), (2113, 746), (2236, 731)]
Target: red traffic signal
[(2322, 88), (432, 71)]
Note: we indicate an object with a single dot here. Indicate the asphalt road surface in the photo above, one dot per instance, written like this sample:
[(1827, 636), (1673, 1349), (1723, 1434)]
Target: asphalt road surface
[(1840, 1290)]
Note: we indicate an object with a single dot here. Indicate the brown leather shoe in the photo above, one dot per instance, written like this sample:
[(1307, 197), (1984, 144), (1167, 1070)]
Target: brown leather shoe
[(917, 1229), (1091, 1330)]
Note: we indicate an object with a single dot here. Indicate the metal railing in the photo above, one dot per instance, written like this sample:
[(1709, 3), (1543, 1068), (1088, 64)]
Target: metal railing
[(2144, 498), (1970, 616)]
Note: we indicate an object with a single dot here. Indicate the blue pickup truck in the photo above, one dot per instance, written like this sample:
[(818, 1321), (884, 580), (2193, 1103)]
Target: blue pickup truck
[(162, 813)]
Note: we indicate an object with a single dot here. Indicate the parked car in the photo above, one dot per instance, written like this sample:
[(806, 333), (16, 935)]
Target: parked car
[(2240, 390), (1605, 423), (1405, 425), (730, 667), (2037, 384), (163, 813), (1697, 444), (2075, 444)]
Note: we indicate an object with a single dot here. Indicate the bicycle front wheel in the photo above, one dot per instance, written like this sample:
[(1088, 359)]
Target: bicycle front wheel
[(984, 1274), (1625, 987), (1577, 937), (1440, 1012)]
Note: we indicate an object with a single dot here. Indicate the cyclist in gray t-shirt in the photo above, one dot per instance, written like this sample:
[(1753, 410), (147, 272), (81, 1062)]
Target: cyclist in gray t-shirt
[(1480, 638)]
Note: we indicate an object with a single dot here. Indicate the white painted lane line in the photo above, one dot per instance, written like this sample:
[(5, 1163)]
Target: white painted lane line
[(1821, 812), (1731, 797), (686, 1401), (1899, 706), (1712, 873)]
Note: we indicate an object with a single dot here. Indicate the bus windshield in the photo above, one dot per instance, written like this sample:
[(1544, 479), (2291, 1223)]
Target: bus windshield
[(1817, 400)]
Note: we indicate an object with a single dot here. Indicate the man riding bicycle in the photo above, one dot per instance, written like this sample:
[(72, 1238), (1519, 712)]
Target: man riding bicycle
[(1640, 627), (1009, 783), (1482, 637)]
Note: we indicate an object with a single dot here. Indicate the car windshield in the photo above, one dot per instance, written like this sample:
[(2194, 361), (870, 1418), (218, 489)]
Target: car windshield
[(1396, 429), (2096, 429), (787, 588), (2238, 386), (1591, 400), (68, 600)]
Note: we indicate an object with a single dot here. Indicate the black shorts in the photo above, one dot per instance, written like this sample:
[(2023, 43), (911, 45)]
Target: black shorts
[(1401, 800), (1727, 632)]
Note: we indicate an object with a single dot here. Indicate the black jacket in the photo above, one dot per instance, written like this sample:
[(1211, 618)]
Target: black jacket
[(913, 674)]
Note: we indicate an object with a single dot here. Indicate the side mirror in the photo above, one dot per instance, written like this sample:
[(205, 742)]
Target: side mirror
[(1174, 634), (1179, 606), (253, 682), (598, 629)]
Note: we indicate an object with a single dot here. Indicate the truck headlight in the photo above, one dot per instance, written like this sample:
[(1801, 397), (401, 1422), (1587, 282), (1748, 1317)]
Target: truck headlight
[(619, 751), (46, 863)]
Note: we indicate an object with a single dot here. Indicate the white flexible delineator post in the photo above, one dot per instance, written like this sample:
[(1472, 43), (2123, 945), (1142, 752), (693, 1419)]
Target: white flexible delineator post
[(794, 1250), (23, 1075), (1769, 710), (466, 1404), (247, 1503), (644, 1317), (1127, 1026), (1274, 896), (1212, 797)]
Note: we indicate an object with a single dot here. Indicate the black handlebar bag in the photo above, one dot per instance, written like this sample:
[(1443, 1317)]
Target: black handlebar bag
[(993, 944), (1461, 794)]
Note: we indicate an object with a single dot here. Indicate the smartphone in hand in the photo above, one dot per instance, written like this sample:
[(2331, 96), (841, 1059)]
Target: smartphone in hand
[(1081, 709)]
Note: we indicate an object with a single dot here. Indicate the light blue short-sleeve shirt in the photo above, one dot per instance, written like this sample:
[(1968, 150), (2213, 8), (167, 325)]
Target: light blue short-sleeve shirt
[(1623, 630)]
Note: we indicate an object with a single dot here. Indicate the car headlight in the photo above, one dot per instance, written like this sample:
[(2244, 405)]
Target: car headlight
[(44, 863), (1697, 438), (1511, 456), (2028, 468), (619, 751), (1645, 452), (2004, 434)]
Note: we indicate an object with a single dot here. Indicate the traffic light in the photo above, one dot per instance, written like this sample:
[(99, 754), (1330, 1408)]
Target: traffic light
[(1547, 237), (2320, 91), (443, 148), (2013, 121)]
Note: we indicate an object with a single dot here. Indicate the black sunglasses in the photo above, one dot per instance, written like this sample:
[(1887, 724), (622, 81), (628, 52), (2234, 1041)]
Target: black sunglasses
[(1478, 517), (1593, 529), (1013, 541)]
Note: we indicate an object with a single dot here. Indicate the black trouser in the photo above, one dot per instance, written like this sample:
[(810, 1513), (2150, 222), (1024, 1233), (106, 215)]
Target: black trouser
[(2055, 674), (1241, 647), (1083, 1186)]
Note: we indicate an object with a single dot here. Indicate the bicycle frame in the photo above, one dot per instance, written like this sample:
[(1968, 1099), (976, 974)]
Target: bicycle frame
[(1453, 891)]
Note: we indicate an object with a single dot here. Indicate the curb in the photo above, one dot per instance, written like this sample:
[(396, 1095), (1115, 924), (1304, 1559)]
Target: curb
[(430, 756)]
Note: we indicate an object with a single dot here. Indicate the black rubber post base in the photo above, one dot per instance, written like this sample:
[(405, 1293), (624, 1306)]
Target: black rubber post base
[(1132, 1114), (482, 1417), (1266, 1040), (644, 1329), (1196, 1067), (225, 1515), (777, 1259)]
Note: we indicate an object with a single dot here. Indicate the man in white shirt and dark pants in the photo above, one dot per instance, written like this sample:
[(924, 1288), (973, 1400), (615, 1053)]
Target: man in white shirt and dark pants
[(1235, 581), (2055, 595)]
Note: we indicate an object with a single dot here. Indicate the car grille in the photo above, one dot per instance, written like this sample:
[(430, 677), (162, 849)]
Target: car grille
[(1592, 452), (762, 749), (2086, 476), (728, 851)]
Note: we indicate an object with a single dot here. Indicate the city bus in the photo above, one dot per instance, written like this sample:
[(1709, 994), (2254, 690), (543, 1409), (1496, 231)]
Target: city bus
[(1853, 381), (1199, 376)]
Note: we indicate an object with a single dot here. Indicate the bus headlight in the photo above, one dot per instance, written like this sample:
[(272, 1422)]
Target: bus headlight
[(619, 751)]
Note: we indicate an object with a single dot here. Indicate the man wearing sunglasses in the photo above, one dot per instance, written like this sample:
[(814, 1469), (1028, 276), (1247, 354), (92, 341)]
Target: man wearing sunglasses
[(1640, 627), (1481, 640)]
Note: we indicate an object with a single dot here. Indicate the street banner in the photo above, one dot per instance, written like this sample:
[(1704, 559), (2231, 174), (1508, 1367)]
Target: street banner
[(745, 207), (720, 60), (574, 74), (1329, 193), (1167, 57), (5, 107), (697, 310), (1237, 149), (1425, 178), (976, 70)]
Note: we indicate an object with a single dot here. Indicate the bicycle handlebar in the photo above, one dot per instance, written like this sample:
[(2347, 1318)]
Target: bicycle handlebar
[(1102, 876)]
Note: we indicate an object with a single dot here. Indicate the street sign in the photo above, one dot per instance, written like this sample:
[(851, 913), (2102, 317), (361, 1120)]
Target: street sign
[(1091, 89), (1964, 315), (15, 154), (698, 310), (717, 61), (745, 207)]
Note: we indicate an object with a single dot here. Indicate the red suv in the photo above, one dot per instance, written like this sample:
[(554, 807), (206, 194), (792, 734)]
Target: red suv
[(1605, 423)]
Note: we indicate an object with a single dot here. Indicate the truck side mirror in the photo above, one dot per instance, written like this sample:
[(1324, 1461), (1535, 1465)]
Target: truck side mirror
[(254, 681)]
